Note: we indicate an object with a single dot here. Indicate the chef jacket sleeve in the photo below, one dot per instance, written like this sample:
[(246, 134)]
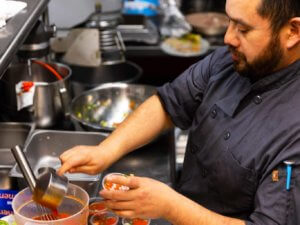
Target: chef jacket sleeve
[(274, 205), (181, 97)]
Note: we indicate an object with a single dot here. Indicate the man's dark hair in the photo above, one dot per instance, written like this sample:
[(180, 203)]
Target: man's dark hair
[(279, 11)]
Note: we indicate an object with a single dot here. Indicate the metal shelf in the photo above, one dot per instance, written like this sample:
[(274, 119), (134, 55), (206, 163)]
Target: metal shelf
[(16, 30)]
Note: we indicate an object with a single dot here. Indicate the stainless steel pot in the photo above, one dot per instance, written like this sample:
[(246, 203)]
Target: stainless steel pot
[(86, 78), (103, 108), (51, 98)]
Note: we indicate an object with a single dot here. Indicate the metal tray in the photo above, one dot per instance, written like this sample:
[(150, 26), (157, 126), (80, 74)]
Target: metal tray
[(43, 150)]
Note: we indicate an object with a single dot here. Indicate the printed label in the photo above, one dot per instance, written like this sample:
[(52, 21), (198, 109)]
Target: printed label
[(6, 197)]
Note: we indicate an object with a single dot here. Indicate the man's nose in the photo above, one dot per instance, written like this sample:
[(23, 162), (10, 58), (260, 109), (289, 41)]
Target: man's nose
[(230, 37)]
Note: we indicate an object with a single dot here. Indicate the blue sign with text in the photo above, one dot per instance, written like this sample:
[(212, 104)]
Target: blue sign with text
[(6, 197)]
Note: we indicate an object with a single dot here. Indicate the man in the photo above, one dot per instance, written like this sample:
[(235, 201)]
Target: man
[(241, 105)]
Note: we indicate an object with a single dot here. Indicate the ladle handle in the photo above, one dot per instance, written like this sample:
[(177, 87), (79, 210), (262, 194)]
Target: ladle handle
[(24, 166)]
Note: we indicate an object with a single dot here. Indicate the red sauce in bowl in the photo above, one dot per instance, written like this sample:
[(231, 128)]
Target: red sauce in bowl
[(103, 219), (139, 222), (96, 207)]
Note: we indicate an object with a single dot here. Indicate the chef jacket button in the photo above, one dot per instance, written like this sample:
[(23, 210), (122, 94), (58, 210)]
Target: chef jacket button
[(213, 113), (204, 173), (257, 99), (226, 135), (193, 150)]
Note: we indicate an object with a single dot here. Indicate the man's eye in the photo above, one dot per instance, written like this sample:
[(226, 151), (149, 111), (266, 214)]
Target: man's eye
[(242, 30)]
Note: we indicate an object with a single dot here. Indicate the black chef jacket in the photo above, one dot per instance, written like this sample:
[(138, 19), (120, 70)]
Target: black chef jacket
[(240, 134)]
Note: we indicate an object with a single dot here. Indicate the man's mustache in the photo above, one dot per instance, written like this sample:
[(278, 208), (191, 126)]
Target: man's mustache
[(237, 53)]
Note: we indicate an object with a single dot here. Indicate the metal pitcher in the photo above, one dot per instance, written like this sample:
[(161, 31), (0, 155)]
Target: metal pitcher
[(51, 98)]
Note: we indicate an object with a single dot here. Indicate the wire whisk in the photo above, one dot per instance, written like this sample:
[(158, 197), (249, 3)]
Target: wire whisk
[(45, 213)]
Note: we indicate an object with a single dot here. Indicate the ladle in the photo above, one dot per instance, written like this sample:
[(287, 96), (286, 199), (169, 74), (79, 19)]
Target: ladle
[(48, 188)]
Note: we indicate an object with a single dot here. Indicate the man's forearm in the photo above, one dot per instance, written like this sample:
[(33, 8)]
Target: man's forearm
[(183, 211), (139, 128)]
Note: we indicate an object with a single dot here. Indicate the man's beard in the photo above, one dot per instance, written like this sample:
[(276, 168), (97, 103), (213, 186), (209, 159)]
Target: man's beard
[(263, 64)]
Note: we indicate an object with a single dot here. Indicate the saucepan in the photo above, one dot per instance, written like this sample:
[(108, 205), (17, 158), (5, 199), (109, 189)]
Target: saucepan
[(106, 106)]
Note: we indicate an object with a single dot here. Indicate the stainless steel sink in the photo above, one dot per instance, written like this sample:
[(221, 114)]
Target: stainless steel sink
[(44, 148), (11, 134)]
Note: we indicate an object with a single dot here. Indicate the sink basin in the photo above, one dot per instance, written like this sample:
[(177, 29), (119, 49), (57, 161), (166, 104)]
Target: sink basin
[(44, 148), (11, 134)]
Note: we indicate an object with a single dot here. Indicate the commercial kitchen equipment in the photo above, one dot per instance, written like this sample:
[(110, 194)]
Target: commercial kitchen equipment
[(51, 96), (111, 45), (29, 37)]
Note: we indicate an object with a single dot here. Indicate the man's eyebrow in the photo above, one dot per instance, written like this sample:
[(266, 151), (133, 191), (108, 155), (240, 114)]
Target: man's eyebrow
[(240, 21)]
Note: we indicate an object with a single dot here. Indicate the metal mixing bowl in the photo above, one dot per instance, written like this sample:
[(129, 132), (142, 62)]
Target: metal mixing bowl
[(104, 107)]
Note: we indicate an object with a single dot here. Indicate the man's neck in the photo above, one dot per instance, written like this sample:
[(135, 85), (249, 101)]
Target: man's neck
[(289, 58)]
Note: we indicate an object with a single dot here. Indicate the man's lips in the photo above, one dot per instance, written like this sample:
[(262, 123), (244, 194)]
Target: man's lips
[(234, 56)]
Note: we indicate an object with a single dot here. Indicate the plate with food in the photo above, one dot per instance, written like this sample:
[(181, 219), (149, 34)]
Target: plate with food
[(189, 45)]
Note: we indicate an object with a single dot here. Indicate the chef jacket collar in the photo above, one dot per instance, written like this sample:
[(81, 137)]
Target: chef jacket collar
[(230, 103), (278, 78)]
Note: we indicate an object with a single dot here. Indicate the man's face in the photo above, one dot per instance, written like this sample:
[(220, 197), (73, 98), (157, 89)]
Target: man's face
[(256, 50)]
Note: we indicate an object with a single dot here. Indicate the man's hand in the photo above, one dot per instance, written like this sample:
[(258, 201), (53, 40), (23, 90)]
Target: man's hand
[(84, 159), (147, 198)]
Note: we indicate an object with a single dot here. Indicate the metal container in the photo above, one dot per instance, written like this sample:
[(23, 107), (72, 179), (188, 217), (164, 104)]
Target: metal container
[(102, 108), (51, 98), (86, 78), (44, 148)]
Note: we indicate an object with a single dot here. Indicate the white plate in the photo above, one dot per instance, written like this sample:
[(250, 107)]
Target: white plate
[(171, 51), (10, 219)]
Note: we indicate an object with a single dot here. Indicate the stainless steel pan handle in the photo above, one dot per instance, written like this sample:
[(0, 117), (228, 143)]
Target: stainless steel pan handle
[(24, 166), (65, 99)]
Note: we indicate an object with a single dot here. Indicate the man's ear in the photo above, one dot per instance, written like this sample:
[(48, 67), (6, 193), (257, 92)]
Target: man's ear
[(294, 32)]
